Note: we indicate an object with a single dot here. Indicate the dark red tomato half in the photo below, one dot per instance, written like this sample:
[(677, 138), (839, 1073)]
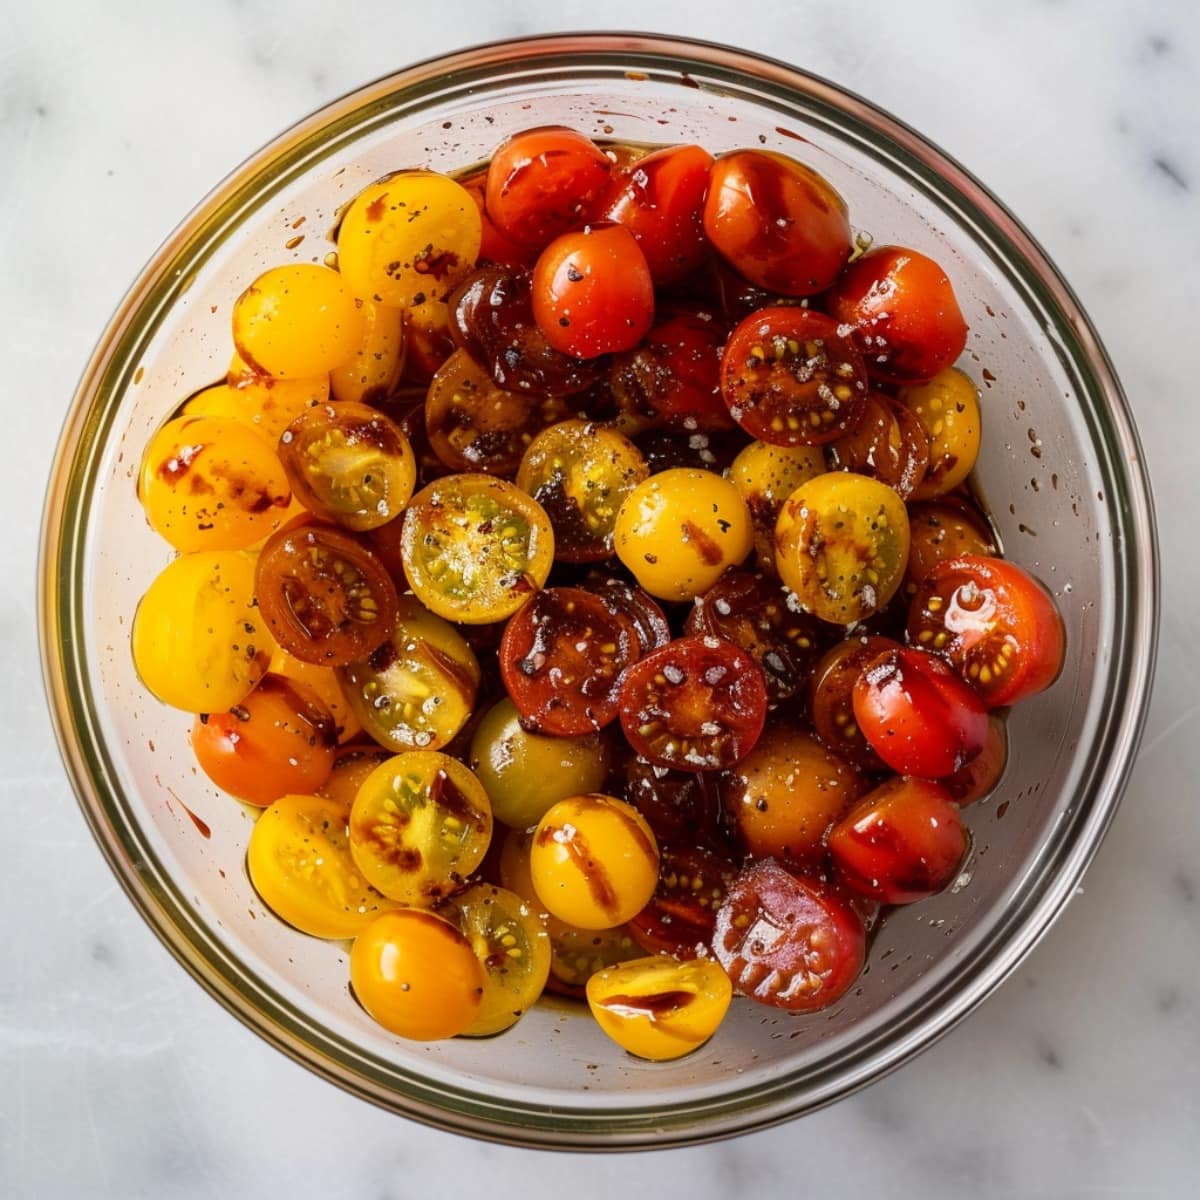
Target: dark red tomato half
[(789, 377), (560, 659), (889, 443), (788, 941), (682, 913), (660, 200), (628, 600), (540, 182), (905, 315), (831, 698), (902, 842), (683, 808), (592, 292), (994, 622), (697, 704), (777, 222), (918, 715)]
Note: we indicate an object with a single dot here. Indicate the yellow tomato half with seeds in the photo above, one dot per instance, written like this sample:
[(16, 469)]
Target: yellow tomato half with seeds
[(948, 409)]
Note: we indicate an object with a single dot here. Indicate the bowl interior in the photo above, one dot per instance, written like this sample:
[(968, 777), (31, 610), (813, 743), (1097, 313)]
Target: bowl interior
[(1044, 469)]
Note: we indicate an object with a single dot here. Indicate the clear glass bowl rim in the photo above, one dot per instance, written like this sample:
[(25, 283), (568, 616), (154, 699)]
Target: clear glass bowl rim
[(458, 1108)]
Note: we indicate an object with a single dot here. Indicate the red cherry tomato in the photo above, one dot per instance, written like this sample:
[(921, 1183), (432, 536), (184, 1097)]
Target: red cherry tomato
[(698, 704), (981, 775), (560, 659), (788, 941), (831, 698), (496, 248), (790, 377), (628, 600), (592, 292), (777, 222), (682, 913), (917, 715), (660, 200), (942, 529), (902, 842), (540, 182), (905, 315), (995, 624)]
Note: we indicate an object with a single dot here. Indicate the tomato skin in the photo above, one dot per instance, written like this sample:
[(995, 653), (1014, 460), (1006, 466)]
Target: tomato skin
[(542, 181), (981, 775), (660, 200), (788, 941), (683, 808), (777, 222), (995, 624), (592, 292), (831, 698), (906, 317), (902, 842), (495, 248), (917, 715), (942, 529)]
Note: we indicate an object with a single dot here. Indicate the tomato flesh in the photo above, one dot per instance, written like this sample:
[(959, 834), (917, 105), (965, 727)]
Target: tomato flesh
[(682, 913)]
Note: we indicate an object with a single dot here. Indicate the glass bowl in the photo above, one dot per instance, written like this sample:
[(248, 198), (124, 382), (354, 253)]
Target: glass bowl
[(1060, 465)]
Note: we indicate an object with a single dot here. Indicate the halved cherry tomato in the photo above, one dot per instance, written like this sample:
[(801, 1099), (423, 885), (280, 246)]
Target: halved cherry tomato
[(776, 221), (561, 657), (831, 698), (948, 409), (352, 764), (902, 842), (981, 775), (787, 941), (592, 292), (905, 315), (681, 915), (279, 739), (917, 715), (660, 199), (698, 704), (325, 597), (790, 376), (942, 529), (429, 340), (682, 807), (888, 444), (766, 475), (542, 181), (623, 598), (995, 624), (375, 370), (323, 683)]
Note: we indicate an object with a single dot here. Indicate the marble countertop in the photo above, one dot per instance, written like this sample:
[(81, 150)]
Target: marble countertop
[(119, 1077)]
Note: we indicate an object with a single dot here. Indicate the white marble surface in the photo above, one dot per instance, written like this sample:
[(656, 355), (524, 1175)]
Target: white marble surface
[(119, 1077)]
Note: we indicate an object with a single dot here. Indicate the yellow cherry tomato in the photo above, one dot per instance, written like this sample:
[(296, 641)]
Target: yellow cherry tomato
[(421, 823), (658, 1008), (375, 369), (409, 238), (199, 642), (300, 864), (297, 321), (416, 975), (264, 404), (323, 681), (765, 475), (948, 409), (475, 548), (594, 861), (680, 529), (841, 545), (509, 938), (351, 766), (209, 483)]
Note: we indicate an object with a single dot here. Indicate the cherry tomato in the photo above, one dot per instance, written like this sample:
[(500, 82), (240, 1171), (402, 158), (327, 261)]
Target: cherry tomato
[(659, 198), (198, 641), (495, 248), (592, 292), (902, 842), (777, 222), (981, 775), (492, 319), (917, 715), (540, 182), (786, 941), (786, 793), (791, 377), (324, 596), (322, 682), (697, 704), (905, 315), (593, 861), (352, 764), (995, 624), (420, 824), (409, 238), (657, 1008), (841, 545), (943, 529), (560, 660), (831, 698), (672, 449), (475, 548), (429, 340), (375, 370), (299, 862), (948, 409), (580, 473), (888, 444), (269, 404), (349, 464), (746, 609), (623, 598), (766, 475), (681, 915), (417, 975), (280, 739), (674, 377)]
